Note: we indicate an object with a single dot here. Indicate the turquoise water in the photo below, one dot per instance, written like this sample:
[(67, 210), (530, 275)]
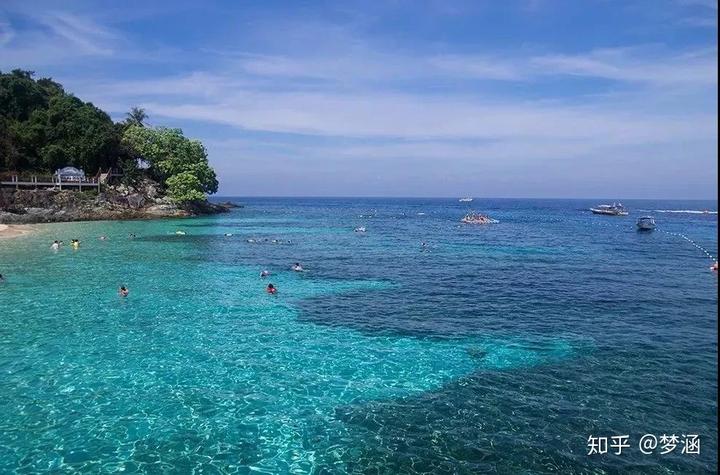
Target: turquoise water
[(491, 349)]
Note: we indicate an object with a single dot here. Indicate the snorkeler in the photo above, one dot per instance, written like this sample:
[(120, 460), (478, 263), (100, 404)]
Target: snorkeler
[(123, 291), (271, 289), (297, 267)]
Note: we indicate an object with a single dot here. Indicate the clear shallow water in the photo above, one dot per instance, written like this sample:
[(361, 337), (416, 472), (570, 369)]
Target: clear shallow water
[(494, 349)]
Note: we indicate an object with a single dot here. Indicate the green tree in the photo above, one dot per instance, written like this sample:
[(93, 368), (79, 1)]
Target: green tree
[(136, 116), (180, 163), (184, 187), (43, 128)]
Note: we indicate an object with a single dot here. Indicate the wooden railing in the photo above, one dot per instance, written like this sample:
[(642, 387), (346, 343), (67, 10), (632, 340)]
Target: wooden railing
[(51, 181)]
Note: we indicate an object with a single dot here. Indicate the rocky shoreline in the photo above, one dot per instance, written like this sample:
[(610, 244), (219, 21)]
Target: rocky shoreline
[(112, 203)]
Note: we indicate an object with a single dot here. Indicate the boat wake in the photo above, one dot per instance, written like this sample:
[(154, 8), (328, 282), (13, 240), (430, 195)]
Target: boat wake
[(682, 211)]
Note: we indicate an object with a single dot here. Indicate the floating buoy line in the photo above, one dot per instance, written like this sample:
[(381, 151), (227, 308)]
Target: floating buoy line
[(698, 246), (669, 233)]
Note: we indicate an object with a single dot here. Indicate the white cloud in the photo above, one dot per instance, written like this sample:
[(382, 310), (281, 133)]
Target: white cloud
[(6, 32), (349, 100), (84, 33), (422, 117), (635, 65)]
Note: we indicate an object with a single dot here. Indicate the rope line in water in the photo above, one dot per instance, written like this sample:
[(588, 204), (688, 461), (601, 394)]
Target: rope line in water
[(680, 235)]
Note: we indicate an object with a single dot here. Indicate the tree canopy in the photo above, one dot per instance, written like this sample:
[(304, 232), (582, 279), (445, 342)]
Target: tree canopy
[(177, 161), (43, 128)]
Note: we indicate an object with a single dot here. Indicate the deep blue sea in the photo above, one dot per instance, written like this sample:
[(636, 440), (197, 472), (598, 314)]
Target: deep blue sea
[(489, 349)]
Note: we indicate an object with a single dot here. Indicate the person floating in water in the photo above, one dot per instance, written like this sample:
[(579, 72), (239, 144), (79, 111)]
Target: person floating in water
[(297, 267), (103, 238), (264, 274), (123, 291), (271, 289), (132, 236), (55, 245), (714, 267)]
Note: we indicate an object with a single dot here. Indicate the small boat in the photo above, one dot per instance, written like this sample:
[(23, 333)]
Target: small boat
[(615, 209), (645, 223), (465, 200), (477, 218)]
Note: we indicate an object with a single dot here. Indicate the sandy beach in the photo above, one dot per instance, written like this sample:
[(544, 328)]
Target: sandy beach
[(14, 230)]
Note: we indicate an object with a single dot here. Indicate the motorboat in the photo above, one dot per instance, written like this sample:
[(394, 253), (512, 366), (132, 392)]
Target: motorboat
[(465, 200), (645, 223), (615, 209), (477, 218)]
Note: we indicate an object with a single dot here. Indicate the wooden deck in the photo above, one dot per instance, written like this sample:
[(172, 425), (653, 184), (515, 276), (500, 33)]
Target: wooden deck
[(52, 181), (35, 183)]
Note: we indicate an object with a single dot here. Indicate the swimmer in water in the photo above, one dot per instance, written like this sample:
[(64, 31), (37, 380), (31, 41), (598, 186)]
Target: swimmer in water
[(55, 245), (297, 267), (103, 238), (75, 243), (228, 234), (2, 279), (271, 289), (123, 291), (714, 267), (264, 274), (132, 236)]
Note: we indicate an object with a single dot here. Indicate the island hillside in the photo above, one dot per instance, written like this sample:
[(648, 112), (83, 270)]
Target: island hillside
[(62, 159)]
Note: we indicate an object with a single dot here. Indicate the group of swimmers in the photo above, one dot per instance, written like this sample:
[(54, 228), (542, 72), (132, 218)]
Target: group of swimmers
[(271, 289), (75, 243), (266, 240), (123, 291)]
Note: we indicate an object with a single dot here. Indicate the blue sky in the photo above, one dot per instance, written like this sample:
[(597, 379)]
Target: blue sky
[(532, 98)]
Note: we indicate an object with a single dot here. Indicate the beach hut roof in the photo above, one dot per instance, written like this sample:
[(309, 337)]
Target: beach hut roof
[(70, 171)]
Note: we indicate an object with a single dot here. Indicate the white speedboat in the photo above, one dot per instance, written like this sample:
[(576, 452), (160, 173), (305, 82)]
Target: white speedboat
[(615, 209), (477, 218), (465, 200), (645, 223)]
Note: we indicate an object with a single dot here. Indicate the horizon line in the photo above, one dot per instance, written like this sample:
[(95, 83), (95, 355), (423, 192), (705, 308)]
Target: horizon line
[(458, 197)]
